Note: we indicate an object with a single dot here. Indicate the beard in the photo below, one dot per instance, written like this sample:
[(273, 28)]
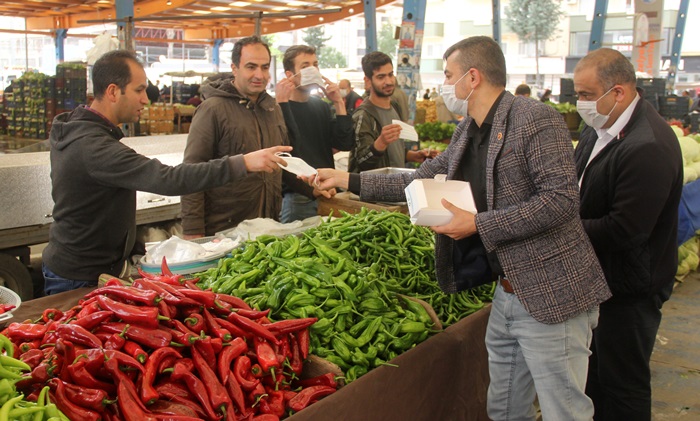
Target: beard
[(380, 93)]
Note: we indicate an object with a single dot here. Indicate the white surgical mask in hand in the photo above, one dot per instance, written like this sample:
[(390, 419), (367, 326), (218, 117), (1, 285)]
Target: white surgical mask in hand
[(311, 76), (588, 111), (297, 165)]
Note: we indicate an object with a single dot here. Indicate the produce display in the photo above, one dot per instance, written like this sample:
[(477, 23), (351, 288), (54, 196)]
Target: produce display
[(13, 405), (435, 131), (348, 272), (430, 109), (163, 349)]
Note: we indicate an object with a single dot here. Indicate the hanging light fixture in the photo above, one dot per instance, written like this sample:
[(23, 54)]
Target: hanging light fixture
[(168, 3)]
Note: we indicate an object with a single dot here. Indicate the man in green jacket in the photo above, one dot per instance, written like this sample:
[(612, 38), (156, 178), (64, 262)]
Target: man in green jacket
[(237, 116)]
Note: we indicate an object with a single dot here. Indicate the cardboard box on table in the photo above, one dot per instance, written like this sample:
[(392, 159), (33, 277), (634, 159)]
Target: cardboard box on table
[(424, 198)]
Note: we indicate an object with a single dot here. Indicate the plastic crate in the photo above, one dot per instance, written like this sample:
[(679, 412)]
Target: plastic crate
[(674, 106), (566, 87), (652, 86)]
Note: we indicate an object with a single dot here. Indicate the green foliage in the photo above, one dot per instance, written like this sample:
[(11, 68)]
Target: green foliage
[(271, 40), (563, 108), (386, 42), (435, 130), (533, 20), (331, 58), (315, 37)]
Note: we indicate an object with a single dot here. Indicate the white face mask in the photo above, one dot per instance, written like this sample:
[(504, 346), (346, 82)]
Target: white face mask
[(311, 76), (454, 104), (588, 110), (343, 92)]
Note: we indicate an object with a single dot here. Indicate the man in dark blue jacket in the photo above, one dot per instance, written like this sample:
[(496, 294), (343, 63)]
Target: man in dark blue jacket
[(630, 176)]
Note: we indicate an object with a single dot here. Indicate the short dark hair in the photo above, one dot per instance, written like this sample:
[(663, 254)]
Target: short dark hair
[(238, 48), (112, 68), (481, 53), (611, 66), (523, 89), (292, 53), (372, 61)]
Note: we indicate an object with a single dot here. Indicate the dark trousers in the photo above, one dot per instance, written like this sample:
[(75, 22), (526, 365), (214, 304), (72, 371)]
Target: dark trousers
[(619, 379)]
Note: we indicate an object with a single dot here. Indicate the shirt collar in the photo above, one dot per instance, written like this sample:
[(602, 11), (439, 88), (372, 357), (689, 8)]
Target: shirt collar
[(614, 130), (488, 120)]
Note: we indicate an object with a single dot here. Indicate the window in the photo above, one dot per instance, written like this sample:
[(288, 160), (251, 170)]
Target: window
[(431, 65), (434, 29)]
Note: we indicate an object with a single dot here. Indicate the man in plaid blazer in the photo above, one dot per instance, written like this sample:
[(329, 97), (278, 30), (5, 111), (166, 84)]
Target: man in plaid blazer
[(516, 153)]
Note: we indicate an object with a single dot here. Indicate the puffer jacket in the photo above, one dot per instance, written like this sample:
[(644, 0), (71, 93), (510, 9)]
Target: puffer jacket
[(228, 123)]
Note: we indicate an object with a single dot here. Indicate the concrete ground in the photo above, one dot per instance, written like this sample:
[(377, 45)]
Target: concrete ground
[(675, 363)]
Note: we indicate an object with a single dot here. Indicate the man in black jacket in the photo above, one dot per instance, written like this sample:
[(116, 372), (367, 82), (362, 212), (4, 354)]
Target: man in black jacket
[(94, 178), (630, 176)]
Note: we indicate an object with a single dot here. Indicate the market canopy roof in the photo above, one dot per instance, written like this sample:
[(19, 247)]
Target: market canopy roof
[(216, 21)]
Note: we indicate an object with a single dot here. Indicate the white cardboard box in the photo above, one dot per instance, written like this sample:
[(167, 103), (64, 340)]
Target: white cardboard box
[(423, 197)]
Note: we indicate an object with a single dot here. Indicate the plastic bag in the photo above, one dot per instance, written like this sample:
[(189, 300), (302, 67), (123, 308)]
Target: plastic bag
[(251, 228), (175, 250)]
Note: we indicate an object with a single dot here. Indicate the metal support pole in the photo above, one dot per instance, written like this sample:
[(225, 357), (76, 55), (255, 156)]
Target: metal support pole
[(215, 53), (125, 34), (258, 24), (370, 26), (410, 43), (60, 41), (677, 43), (598, 25), (496, 6)]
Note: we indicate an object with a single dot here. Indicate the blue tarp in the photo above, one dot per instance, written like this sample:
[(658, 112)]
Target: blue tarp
[(689, 211)]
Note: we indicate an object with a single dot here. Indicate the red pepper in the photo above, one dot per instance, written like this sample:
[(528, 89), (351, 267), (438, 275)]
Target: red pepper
[(290, 326), (180, 338), (303, 341), (197, 388), (83, 377), (130, 407), (94, 399), (252, 327), (214, 328), (32, 358), (265, 417), (257, 371), (93, 320), (51, 314), (71, 409), (236, 331), (165, 407), (93, 359), (78, 335), (296, 364), (308, 395), (327, 379), (288, 395), (145, 297), (148, 392), (164, 269), (124, 360), (150, 338), (206, 298), (241, 371), (23, 332), (44, 371), (113, 282), (166, 294), (89, 307), (237, 347), (266, 355), (175, 280), (169, 389), (234, 301), (205, 347), (27, 346), (167, 363), (133, 349), (275, 403), (139, 315), (168, 417), (236, 394), (217, 392), (217, 345), (115, 341), (252, 314)]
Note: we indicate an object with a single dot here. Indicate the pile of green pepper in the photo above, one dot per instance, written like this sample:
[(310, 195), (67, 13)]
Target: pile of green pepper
[(348, 273)]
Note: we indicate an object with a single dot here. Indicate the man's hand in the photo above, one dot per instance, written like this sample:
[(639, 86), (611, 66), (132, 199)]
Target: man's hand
[(463, 223), (332, 92), (265, 159), (328, 179), (389, 135), (284, 90), (417, 156), (325, 193)]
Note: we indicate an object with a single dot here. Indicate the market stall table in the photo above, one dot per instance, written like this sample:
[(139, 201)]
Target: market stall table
[(443, 378)]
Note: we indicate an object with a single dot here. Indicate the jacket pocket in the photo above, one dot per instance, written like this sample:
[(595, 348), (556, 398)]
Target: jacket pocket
[(629, 272)]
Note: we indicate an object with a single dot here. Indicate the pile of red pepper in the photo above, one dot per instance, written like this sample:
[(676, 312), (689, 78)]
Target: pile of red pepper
[(163, 349)]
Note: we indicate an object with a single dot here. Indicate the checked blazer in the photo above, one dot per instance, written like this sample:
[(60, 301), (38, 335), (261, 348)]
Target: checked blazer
[(532, 222)]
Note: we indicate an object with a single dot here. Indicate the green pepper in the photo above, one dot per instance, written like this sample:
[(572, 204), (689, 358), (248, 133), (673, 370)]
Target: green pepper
[(341, 349)]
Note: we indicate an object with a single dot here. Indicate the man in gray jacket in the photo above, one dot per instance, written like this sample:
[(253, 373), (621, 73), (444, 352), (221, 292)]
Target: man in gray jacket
[(95, 177), (527, 234), (237, 116)]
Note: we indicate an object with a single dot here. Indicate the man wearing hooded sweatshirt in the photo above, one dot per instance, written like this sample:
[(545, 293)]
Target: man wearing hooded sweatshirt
[(95, 177), (236, 116)]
